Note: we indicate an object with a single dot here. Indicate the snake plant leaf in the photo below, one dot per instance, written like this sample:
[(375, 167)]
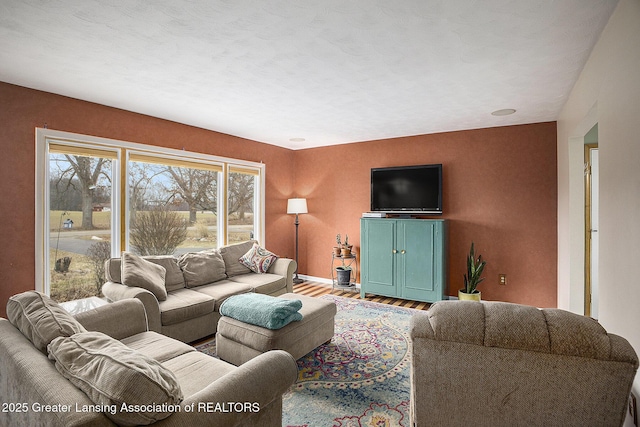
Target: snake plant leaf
[(475, 267)]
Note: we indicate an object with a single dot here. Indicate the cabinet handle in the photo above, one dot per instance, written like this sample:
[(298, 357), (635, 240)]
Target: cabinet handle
[(403, 252), (395, 251)]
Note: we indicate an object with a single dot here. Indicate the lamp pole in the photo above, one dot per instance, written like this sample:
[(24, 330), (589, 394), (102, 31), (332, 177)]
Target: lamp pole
[(296, 279), (297, 206)]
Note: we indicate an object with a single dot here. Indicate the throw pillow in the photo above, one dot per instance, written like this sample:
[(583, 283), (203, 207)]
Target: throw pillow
[(40, 318), (111, 373), (202, 268), (173, 278), (138, 272), (258, 259)]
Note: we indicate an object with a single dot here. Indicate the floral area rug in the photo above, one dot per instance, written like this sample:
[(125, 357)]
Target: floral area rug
[(207, 347), (359, 379)]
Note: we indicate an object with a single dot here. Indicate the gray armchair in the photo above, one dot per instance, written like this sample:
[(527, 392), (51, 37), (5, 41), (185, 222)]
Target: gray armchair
[(501, 364)]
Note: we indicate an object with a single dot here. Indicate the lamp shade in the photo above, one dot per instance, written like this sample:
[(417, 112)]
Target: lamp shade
[(297, 206)]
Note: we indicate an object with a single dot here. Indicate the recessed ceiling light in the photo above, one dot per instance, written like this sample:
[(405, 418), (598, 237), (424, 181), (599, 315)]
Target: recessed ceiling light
[(297, 139), (504, 112)]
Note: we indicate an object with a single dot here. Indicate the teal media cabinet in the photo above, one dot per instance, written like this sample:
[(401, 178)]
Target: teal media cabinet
[(403, 258)]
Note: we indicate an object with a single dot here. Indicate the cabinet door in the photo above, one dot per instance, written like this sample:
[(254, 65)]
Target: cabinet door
[(377, 257), (419, 245)]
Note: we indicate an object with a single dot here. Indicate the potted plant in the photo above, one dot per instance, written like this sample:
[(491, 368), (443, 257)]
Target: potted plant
[(337, 249), (472, 278), (346, 247), (344, 275)]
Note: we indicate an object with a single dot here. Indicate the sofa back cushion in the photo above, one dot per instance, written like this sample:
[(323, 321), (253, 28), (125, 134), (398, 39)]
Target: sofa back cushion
[(202, 268), (519, 327), (41, 319), (138, 272), (231, 255), (173, 278), (112, 374)]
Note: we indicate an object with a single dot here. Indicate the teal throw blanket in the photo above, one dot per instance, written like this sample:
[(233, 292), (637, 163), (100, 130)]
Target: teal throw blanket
[(262, 310)]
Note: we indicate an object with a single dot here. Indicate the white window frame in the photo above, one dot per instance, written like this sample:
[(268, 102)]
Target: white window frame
[(258, 200), (120, 189)]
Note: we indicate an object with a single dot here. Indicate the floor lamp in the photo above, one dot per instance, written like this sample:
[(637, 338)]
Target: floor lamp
[(297, 206)]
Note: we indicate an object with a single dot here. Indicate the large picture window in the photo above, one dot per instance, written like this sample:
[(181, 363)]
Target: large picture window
[(80, 218), (173, 205), (99, 197), (242, 198)]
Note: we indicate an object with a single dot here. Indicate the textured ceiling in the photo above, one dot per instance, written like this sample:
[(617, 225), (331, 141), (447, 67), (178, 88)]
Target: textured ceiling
[(329, 71)]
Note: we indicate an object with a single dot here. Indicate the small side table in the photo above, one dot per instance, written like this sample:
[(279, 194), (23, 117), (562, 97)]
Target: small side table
[(349, 261), (81, 305)]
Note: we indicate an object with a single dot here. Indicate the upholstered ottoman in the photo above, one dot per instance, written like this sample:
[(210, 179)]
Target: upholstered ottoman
[(238, 342)]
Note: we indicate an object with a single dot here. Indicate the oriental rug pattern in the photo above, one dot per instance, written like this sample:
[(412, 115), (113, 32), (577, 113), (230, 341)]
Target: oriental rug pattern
[(361, 378)]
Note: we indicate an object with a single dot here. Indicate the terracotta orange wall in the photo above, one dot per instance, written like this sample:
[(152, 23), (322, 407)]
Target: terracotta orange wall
[(500, 191), (22, 110)]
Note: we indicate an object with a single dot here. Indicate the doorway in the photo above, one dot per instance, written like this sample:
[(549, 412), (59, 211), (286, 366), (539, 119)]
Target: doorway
[(591, 181)]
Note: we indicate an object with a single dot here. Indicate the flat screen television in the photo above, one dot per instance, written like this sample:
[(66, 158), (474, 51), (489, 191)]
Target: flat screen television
[(407, 189)]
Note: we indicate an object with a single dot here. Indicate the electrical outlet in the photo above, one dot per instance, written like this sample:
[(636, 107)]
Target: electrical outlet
[(502, 279), (633, 409)]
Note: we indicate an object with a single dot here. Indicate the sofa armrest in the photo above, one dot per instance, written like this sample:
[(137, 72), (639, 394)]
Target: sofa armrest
[(259, 382), (117, 291), (118, 320), (284, 267), (28, 377), (420, 326)]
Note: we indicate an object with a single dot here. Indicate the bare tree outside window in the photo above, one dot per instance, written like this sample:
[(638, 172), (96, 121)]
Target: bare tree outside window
[(241, 207), (171, 207), (241, 194), (143, 188), (80, 223), (158, 231), (82, 175), (98, 253), (197, 188)]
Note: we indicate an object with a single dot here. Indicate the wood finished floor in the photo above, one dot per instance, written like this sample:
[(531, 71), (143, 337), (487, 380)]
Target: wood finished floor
[(315, 289)]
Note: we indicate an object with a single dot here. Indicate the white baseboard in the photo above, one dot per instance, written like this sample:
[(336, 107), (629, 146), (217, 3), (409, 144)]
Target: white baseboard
[(315, 279), (321, 280)]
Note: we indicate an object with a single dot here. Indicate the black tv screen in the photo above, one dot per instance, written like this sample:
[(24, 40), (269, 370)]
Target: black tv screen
[(407, 189)]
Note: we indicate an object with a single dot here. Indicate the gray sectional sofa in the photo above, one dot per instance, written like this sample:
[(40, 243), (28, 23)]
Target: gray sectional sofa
[(60, 370), (186, 307)]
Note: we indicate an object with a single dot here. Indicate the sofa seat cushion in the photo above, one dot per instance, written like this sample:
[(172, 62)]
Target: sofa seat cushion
[(111, 373), (185, 304), (200, 268), (231, 255), (41, 319), (157, 346), (195, 371), (265, 283), (223, 289)]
